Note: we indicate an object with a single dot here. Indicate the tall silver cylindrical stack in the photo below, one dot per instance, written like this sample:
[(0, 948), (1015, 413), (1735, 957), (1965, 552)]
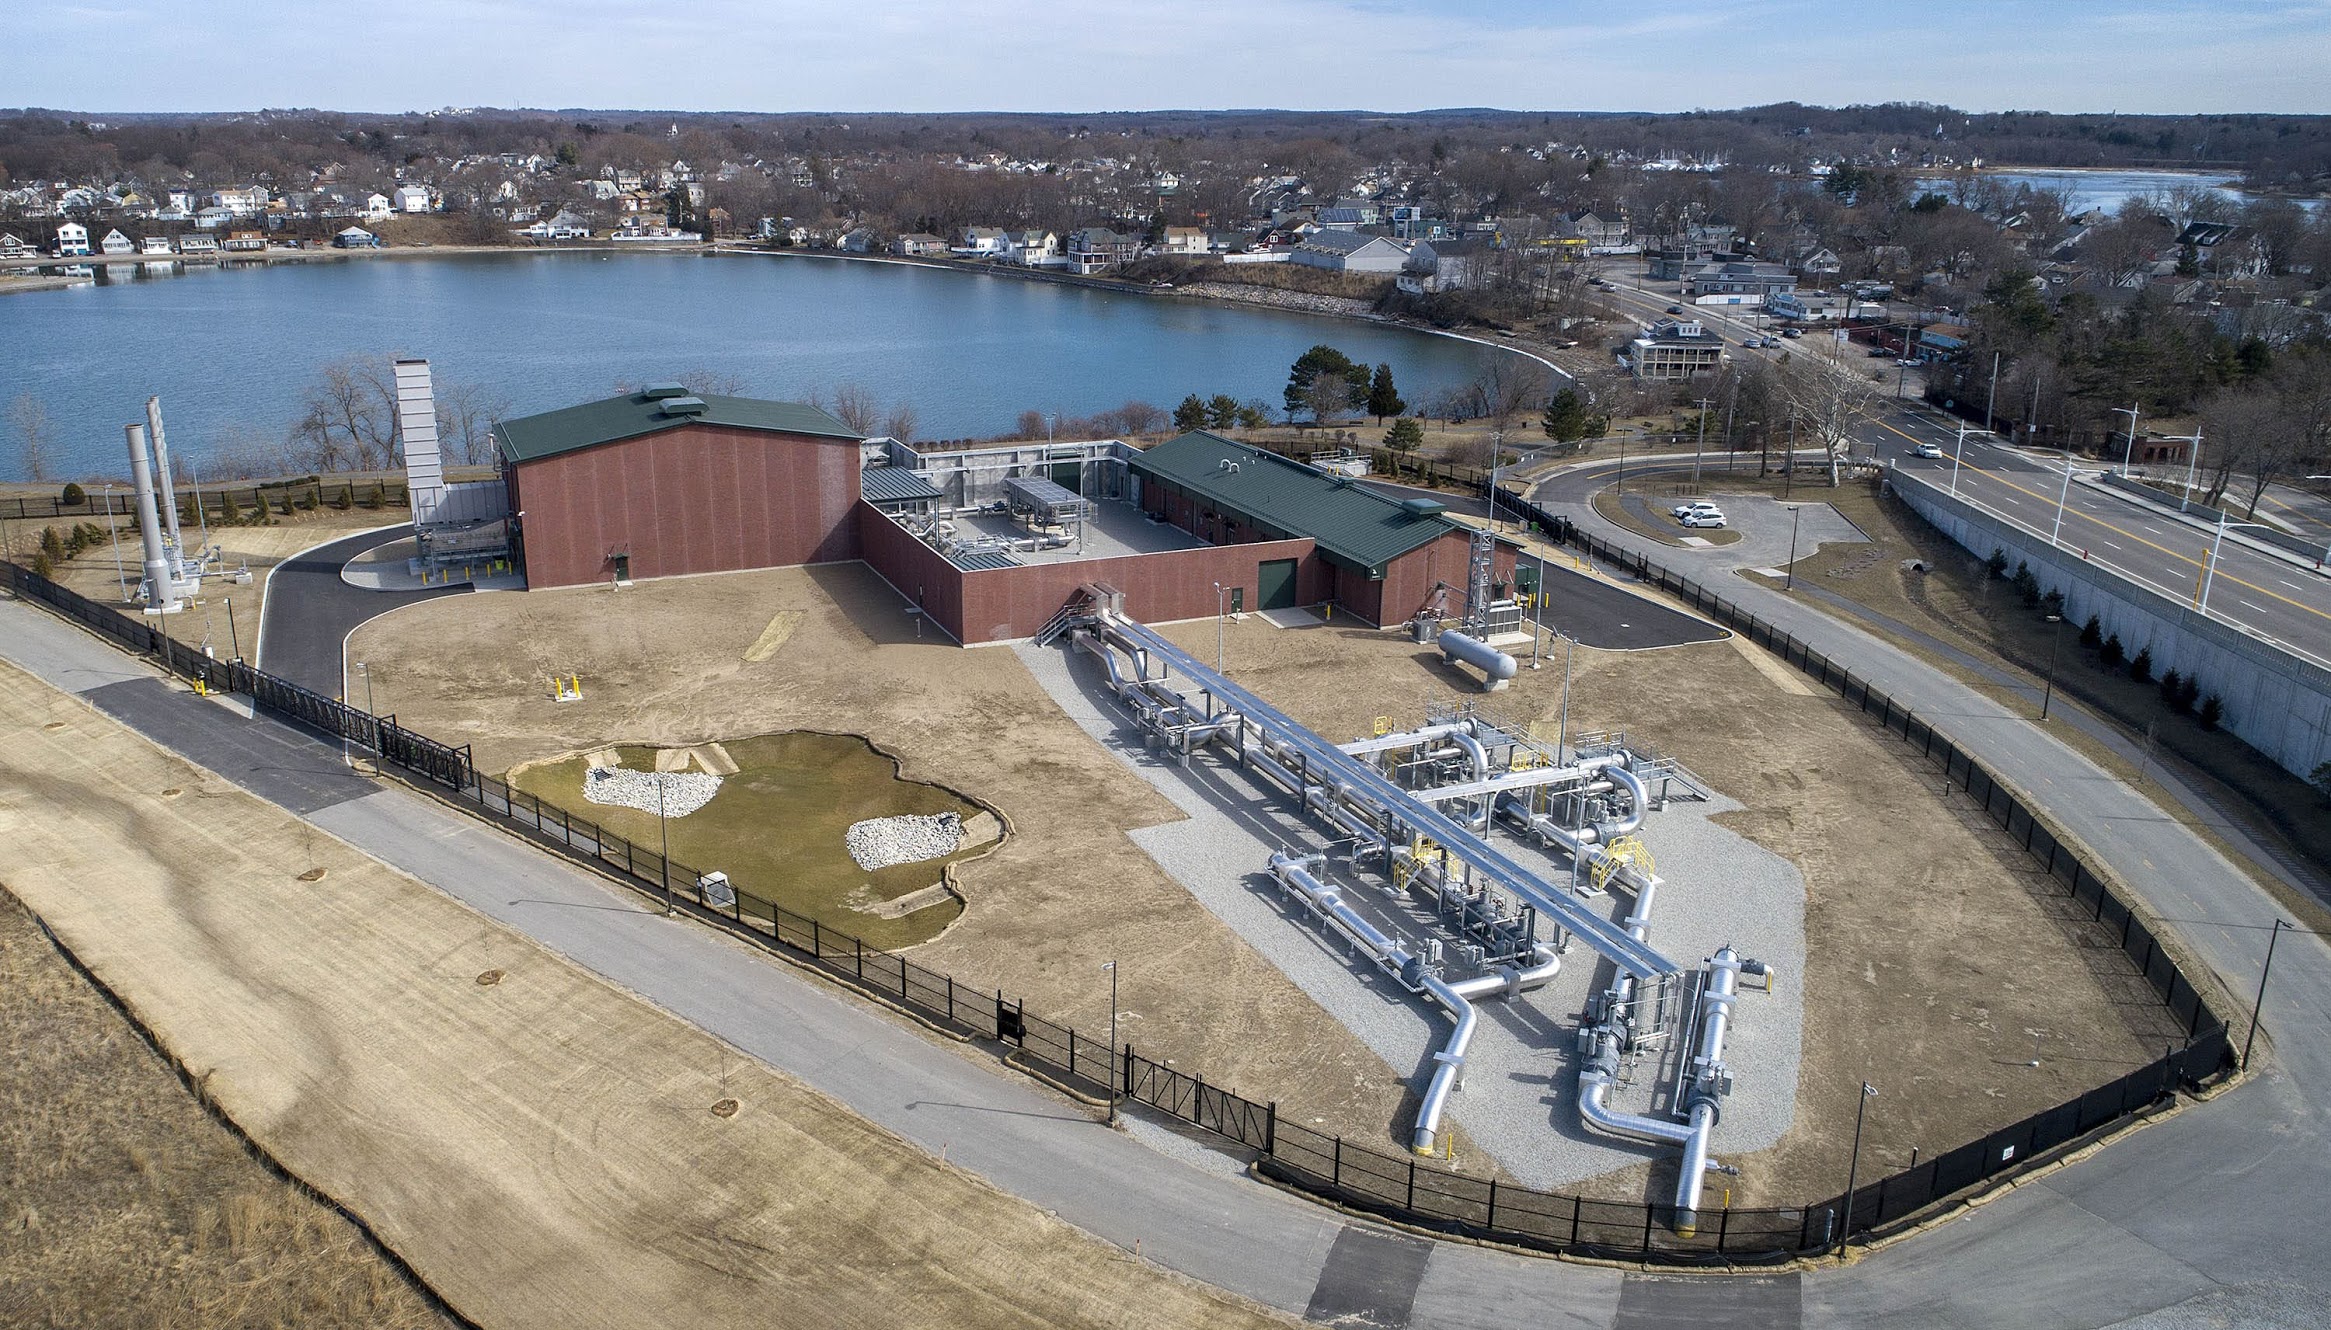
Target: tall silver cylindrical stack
[(161, 587), (165, 490)]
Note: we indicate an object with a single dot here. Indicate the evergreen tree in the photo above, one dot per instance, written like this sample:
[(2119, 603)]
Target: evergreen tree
[(1321, 359), (1570, 419), (1221, 411), (1383, 398), (1191, 414), (1405, 436)]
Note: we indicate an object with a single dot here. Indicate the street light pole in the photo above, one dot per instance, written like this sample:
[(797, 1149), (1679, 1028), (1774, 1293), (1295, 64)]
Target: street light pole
[(120, 574), (2210, 573), (2063, 493), (1958, 453), (1853, 1168), (2055, 644), (2192, 460), (1796, 515), (1622, 464), (1115, 1078), (2129, 457), (1992, 401), (664, 826)]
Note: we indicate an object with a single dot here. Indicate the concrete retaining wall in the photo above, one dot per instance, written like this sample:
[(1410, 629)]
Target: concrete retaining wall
[(2275, 702)]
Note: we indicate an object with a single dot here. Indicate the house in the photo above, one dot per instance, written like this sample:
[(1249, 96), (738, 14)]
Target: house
[(565, 226), (919, 244), (1093, 248), (981, 242), (72, 240), (1754, 281), (1804, 306), (1349, 251), (116, 243), (1673, 349), (178, 200), (13, 247), (246, 202), (1032, 249), (1409, 222), (635, 231), (1340, 219), (1815, 261), (1601, 234), (1942, 339), (244, 242), (1443, 265), (410, 199), (197, 244), (1187, 241), (156, 246), (377, 208), (355, 237)]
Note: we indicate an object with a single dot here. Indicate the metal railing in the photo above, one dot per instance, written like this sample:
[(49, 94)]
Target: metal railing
[(1400, 1186)]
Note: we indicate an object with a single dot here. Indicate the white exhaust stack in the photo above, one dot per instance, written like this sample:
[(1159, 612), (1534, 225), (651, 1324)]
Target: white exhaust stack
[(165, 492), (417, 435), (161, 587)]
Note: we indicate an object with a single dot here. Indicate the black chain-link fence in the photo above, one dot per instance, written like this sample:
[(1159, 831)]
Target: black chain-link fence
[(1405, 1187)]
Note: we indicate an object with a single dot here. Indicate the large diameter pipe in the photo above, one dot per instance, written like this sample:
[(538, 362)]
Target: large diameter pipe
[(1481, 655), (1708, 1070), (1448, 1065), (166, 491), (161, 587)]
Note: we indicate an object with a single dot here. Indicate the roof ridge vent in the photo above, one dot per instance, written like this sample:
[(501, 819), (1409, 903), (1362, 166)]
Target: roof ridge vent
[(682, 406), (656, 391)]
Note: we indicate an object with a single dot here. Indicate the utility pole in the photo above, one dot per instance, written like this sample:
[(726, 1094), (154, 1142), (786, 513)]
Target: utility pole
[(120, 574), (1699, 451), (1993, 400), (1796, 515), (2263, 971)]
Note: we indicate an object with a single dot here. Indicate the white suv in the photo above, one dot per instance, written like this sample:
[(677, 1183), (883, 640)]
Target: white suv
[(1683, 510), (1705, 517)]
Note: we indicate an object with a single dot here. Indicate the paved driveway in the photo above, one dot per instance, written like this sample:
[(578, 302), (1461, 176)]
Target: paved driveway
[(310, 610)]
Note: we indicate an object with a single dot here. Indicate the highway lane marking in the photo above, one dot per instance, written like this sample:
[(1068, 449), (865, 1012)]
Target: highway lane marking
[(2181, 558)]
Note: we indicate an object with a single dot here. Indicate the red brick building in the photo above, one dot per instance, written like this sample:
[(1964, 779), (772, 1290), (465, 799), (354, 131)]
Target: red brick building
[(664, 482)]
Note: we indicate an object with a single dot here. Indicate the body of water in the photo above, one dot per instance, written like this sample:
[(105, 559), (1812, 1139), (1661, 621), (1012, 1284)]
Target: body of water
[(232, 353), (2109, 189)]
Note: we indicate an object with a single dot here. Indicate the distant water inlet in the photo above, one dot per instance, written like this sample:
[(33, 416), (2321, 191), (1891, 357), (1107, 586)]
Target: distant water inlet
[(235, 355), (793, 818)]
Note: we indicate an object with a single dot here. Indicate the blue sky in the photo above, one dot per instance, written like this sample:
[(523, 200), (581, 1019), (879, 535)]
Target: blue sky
[(923, 55)]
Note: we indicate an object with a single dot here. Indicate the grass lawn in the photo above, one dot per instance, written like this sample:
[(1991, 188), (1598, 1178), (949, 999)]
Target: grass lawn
[(776, 827)]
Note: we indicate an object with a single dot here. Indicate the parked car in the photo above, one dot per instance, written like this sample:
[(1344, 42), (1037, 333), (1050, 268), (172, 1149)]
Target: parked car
[(1927, 450), (1792, 332), (1696, 506), (1709, 519)]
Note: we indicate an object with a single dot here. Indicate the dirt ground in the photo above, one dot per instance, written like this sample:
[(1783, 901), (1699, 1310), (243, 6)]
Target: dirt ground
[(205, 621), (666, 662), (1935, 954), (128, 1205), (539, 1148)]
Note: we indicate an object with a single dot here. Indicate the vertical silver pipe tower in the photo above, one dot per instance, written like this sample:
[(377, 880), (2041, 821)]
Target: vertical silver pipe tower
[(161, 583), (166, 493)]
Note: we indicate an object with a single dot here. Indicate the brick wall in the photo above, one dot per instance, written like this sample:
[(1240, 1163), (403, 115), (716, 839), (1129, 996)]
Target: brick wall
[(695, 499)]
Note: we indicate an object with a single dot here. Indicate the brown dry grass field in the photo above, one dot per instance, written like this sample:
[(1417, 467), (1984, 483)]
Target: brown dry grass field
[(540, 1150), (1935, 950), (128, 1205)]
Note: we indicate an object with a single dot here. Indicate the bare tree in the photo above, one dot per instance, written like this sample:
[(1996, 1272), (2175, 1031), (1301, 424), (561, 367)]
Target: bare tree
[(1507, 387), (348, 418), (856, 408), (29, 416), (1829, 401), (900, 423), (1328, 398), (466, 414), (1141, 417)]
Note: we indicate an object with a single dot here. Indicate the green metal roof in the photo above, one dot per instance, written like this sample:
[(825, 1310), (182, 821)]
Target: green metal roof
[(660, 407), (1351, 522)]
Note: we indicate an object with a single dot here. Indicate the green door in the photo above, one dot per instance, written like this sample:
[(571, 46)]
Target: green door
[(1275, 584), (1069, 476)]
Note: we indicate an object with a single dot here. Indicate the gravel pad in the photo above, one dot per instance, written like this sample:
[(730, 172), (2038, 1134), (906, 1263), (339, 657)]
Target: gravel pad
[(882, 841), (682, 792)]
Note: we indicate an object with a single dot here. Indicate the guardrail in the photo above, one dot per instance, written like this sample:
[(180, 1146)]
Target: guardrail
[(1401, 1187), (2249, 529)]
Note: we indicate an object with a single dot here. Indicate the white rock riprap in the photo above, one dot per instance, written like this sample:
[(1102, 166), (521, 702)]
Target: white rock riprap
[(683, 792), (880, 842)]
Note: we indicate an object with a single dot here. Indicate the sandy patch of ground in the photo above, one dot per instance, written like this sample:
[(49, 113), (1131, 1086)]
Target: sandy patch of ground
[(543, 1149)]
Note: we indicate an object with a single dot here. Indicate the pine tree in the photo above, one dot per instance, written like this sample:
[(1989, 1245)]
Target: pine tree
[(1383, 398), (1190, 415)]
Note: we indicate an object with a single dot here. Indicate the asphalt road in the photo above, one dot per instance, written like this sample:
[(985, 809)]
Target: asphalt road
[(2272, 595), (310, 611), (2208, 1218)]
